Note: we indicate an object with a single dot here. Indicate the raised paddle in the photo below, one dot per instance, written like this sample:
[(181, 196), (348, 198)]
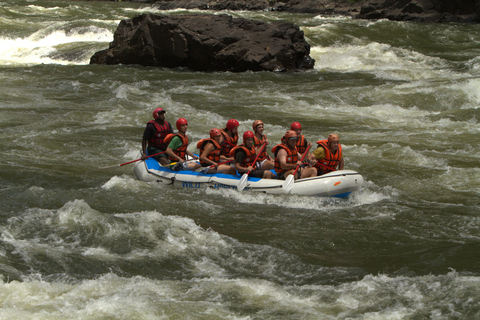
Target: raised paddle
[(288, 184), (205, 169), (123, 164), (243, 181)]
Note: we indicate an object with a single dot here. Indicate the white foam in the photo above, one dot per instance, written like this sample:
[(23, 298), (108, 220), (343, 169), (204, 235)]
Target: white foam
[(120, 182), (111, 296), (305, 203), (471, 87), (460, 179), (382, 60), (46, 48)]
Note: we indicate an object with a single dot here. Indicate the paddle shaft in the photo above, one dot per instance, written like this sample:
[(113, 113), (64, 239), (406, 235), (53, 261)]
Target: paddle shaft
[(123, 164), (325, 166), (213, 165), (301, 160), (255, 161), (153, 155), (243, 181)]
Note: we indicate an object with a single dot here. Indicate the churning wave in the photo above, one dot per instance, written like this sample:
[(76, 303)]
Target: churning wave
[(71, 47)]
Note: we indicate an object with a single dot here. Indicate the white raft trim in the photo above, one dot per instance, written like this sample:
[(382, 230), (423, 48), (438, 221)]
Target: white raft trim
[(337, 183)]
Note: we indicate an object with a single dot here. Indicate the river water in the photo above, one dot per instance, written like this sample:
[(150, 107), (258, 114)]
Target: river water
[(83, 243)]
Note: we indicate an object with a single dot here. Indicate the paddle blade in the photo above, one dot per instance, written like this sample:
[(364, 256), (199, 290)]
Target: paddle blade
[(288, 184), (243, 182), (202, 169)]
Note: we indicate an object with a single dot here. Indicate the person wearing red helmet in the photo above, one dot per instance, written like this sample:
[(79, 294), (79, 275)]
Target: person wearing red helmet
[(302, 143), (245, 155), (329, 155), (287, 158), (230, 137), (210, 153), (264, 160), (154, 135), (178, 144)]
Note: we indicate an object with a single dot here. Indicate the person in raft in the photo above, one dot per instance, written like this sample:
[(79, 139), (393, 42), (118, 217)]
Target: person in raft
[(154, 135), (287, 158), (328, 155), (245, 155), (302, 143), (230, 137), (177, 146), (264, 160), (210, 153)]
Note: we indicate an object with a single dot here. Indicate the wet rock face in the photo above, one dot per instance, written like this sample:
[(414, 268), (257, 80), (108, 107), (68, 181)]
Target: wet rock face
[(207, 43)]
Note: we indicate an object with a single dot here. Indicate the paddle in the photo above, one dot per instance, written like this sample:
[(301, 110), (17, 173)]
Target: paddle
[(325, 166), (243, 181), (288, 184), (205, 169), (123, 164)]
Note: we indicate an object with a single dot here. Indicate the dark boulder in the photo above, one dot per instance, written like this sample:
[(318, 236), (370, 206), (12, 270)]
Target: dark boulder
[(207, 43)]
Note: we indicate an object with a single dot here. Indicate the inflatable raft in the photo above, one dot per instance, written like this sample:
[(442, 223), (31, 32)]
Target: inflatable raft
[(334, 184)]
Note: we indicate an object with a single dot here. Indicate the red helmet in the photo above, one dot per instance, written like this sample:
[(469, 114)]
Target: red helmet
[(214, 133), (231, 124), (156, 111), (295, 125), (290, 134), (256, 123), (181, 122), (248, 134)]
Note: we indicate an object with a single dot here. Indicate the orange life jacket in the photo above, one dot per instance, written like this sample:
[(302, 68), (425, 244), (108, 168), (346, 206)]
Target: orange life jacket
[(228, 143), (301, 144), (292, 156), (257, 144), (214, 155), (250, 155), (161, 131), (331, 160), (182, 151)]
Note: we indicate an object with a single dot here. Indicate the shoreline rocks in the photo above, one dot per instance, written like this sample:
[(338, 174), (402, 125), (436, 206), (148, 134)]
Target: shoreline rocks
[(439, 11), (436, 11)]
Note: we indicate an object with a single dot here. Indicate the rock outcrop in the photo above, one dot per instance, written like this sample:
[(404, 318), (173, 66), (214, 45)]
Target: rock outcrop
[(401, 10), (207, 43), (421, 10)]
